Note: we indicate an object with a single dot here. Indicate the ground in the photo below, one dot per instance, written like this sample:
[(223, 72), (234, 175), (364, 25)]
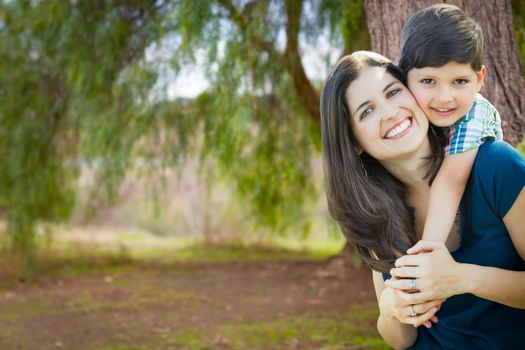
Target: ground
[(124, 304)]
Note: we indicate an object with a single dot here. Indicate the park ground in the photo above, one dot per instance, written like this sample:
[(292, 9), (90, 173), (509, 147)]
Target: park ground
[(189, 297)]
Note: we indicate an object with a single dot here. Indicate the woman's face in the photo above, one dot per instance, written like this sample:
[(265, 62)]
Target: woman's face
[(386, 119)]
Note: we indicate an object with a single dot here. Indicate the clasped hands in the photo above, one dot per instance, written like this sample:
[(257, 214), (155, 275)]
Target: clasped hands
[(420, 283)]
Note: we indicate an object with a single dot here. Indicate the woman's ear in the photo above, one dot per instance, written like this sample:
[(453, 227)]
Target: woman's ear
[(358, 150)]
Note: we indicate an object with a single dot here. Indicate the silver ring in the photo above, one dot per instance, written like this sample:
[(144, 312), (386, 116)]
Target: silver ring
[(413, 313), (413, 284)]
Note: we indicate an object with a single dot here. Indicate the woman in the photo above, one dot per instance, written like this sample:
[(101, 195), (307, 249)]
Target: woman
[(380, 157)]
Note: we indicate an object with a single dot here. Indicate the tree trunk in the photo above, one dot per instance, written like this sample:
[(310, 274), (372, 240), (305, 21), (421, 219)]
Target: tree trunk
[(504, 85)]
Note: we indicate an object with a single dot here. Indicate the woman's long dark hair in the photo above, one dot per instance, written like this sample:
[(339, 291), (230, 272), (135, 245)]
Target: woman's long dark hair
[(368, 203)]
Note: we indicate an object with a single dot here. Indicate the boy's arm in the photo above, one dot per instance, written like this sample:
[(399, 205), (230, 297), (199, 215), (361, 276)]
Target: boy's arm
[(445, 194)]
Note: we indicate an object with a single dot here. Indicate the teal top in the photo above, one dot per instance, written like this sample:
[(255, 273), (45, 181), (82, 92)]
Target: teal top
[(466, 321)]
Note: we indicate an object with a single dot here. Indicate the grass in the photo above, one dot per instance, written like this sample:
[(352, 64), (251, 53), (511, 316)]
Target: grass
[(73, 251), (324, 330), (80, 254), (191, 339), (328, 330)]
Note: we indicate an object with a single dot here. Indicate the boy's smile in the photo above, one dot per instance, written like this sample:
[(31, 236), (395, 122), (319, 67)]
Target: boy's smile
[(445, 93)]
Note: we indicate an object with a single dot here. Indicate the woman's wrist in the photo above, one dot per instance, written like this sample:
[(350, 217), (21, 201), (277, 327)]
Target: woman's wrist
[(466, 280), (387, 314), (398, 335), (386, 318)]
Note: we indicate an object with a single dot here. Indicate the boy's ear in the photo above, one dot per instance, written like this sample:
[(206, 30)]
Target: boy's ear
[(481, 77)]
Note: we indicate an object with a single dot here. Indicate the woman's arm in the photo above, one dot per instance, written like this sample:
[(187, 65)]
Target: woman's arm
[(505, 287), (395, 324), (395, 333), (439, 276)]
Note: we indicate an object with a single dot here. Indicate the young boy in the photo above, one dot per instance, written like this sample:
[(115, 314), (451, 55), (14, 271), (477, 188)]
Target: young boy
[(441, 55)]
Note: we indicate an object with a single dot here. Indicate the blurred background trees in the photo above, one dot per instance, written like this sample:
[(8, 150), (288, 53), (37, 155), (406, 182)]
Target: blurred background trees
[(86, 84)]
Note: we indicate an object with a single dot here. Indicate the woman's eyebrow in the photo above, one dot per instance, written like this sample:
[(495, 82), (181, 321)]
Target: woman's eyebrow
[(361, 105), (368, 101), (389, 85)]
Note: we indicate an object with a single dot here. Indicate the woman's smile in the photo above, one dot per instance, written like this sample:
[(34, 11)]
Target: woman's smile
[(399, 129), (387, 121)]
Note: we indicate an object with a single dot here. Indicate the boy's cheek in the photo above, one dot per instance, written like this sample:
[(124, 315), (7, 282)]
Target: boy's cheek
[(416, 90), (422, 97)]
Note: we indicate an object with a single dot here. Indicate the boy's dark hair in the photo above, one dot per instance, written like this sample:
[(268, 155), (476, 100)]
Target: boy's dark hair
[(438, 34)]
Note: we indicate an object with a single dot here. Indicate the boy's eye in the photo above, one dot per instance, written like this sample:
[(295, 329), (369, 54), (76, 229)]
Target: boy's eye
[(393, 92), (366, 112), (460, 81), (427, 81)]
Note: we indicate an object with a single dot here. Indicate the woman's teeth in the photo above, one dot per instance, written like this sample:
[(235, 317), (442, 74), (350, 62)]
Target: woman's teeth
[(398, 129)]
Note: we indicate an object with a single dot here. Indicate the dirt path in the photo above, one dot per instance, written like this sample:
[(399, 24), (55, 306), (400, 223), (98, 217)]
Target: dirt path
[(175, 307)]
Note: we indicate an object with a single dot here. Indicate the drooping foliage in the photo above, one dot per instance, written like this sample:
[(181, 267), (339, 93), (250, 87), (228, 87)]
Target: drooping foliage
[(83, 84), (261, 113), (73, 92), (518, 18)]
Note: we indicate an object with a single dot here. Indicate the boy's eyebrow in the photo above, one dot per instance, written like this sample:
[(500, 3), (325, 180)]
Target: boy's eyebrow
[(424, 74), (368, 101), (434, 76)]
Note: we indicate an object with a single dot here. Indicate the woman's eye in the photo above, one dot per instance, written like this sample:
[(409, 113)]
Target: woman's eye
[(427, 81), (393, 92), (460, 81), (366, 112)]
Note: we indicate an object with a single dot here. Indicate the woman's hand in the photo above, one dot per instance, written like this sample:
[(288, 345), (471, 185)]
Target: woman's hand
[(432, 272), (392, 302)]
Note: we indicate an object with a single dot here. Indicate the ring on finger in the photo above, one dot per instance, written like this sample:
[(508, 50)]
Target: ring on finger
[(413, 313), (413, 284)]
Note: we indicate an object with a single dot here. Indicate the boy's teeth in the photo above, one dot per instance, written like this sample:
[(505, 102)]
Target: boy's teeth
[(399, 129)]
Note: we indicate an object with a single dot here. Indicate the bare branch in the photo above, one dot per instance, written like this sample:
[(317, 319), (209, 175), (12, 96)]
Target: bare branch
[(291, 58), (305, 91)]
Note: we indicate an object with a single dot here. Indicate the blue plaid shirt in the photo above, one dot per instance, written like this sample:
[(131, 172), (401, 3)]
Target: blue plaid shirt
[(480, 123)]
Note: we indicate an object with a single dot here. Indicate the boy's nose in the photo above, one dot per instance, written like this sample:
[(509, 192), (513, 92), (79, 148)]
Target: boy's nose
[(444, 95)]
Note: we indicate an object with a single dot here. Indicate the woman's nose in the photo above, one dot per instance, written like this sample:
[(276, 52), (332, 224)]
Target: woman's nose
[(390, 110)]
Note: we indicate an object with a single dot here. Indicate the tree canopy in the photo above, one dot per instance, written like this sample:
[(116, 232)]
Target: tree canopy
[(83, 84)]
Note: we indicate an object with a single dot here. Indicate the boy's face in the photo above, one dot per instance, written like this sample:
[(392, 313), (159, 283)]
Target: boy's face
[(445, 93)]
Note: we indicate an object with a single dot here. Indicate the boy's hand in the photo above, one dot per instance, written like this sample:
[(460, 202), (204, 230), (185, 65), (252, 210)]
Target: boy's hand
[(418, 248)]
